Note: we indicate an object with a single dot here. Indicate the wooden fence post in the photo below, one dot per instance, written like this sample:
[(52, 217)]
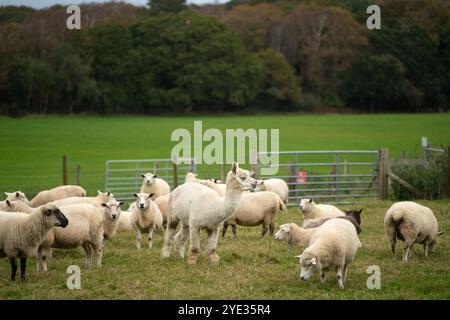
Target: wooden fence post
[(64, 169), (155, 167), (77, 173), (382, 174), (175, 175)]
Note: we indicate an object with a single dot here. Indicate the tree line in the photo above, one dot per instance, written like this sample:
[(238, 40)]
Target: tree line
[(244, 56)]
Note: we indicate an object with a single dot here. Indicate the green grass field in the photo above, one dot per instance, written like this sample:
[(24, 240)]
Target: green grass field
[(250, 268)]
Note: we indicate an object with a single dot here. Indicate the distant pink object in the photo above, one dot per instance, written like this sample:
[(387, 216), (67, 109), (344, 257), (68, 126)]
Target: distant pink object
[(302, 176)]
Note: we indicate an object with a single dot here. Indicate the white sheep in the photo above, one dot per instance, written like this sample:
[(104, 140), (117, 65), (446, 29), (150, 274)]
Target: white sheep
[(413, 223), (153, 184), (255, 208), (110, 218), (163, 204), (17, 196), (294, 235), (198, 207), (332, 246), (57, 193), (125, 222), (145, 217), (21, 234), (311, 210), (279, 186), (102, 197)]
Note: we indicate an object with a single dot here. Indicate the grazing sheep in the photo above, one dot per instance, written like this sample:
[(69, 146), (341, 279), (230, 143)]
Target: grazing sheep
[(332, 246), (17, 196), (110, 218), (163, 204), (198, 207), (102, 197), (354, 216), (21, 234), (255, 208), (155, 185), (279, 186), (294, 235), (57, 193), (413, 223), (311, 210), (145, 217)]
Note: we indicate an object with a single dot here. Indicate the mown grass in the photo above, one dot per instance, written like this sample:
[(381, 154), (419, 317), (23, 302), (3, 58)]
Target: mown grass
[(250, 268)]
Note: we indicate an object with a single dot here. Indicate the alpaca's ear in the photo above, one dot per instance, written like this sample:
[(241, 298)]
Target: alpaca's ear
[(234, 167)]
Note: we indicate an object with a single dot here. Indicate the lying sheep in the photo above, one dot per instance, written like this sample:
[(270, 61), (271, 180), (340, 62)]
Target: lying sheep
[(145, 217), (311, 210), (294, 235), (57, 193), (354, 216), (254, 209), (155, 185), (17, 196), (279, 186), (332, 246), (163, 205), (21, 234), (102, 197), (413, 223)]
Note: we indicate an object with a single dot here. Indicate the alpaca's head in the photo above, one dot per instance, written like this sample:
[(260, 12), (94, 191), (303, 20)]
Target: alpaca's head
[(240, 178)]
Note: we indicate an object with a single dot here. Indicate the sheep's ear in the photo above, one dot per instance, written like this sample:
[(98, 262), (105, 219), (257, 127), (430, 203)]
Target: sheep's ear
[(234, 167), (99, 192), (347, 211), (17, 194), (48, 212), (155, 176), (143, 175), (310, 200), (298, 257), (8, 203), (359, 212), (121, 203), (109, 193), (6, 193), (150, 195), (314, 261), (104, 205), (135, 195), (440, 233)]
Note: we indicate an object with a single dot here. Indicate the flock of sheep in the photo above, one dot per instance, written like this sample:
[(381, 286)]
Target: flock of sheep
[(65, 218)]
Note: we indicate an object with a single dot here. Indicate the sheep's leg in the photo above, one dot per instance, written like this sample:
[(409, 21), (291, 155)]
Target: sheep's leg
[(322, 276), (425, 250), (138, 238), (38, 260), (88, 253), (180, 240), (44, 254), (339, 276), (271, 228), (150, 236), (345, 273), (13, 263), (23, 267), (233, 229), (407, 250), (211, 245), (98, 254), (263, 230), (168, 238), (393, 244), (194, 244), (224, 229)]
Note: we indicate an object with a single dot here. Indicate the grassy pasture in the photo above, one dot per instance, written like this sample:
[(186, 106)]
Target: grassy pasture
[(248, 269)]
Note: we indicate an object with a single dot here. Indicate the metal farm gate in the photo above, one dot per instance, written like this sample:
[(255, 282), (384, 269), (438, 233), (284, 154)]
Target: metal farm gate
[(123, 177), (333, 177)]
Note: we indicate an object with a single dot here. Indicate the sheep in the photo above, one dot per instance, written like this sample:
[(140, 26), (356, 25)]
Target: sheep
[(57, 193), (17, 195), (255, 208), (163, 204), (153, 184), (332, 246), (294, 235), (354, 216), (279, 186), (110, 218), (311, 210), (145, 217), (125, 222), (102, 197), (21, 234), (198, 207), (413, 223)]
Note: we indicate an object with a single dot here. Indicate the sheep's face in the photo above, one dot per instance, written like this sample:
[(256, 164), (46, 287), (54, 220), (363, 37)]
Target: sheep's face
[(17, 196), (305, 204), (105, 196), (149, 178), (54, 216), (355, 214), (283, 233), (11, 206), (112, 209), (309, 264), (241, 177), (143, 200), (260, 186)]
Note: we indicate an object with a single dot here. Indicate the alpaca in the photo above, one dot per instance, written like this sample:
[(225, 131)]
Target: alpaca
[(198, 207)]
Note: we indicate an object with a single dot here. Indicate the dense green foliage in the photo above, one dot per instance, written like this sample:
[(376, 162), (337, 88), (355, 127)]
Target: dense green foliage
[(246, 56)]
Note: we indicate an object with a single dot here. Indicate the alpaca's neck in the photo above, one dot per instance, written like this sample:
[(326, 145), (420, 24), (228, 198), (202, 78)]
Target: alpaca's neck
[(34, 229), (231, 200)]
